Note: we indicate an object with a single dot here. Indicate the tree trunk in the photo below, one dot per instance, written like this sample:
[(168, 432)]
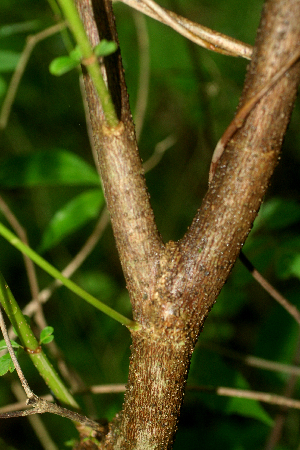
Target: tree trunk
[(173, 287)]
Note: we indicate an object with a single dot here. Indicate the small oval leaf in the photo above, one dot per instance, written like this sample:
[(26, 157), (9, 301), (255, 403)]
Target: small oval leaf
[(105, 48), (47, 331), (61, 65), (47, 339), (76, 54)]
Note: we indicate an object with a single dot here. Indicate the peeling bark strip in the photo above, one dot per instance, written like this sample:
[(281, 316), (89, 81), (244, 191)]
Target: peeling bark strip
[(173, 287)]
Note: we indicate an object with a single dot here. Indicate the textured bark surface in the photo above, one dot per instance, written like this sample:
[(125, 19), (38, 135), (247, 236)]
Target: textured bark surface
[(173, 287)]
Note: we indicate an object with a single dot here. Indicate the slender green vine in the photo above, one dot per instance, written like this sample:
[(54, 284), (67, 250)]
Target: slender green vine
[(89, 59), (41, 262), (32, 346)]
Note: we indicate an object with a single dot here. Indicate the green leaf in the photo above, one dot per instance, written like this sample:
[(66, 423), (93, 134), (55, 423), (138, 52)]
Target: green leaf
[(14, 344), (246, 407), (46, 335), (105, 48), (8, 60), (6, 364), (71, 443), (76, 54), (287, 260), (218, 373), (278, 213), (71, 217), (288, 265), (61, 65), (48, 339), (46, 168)]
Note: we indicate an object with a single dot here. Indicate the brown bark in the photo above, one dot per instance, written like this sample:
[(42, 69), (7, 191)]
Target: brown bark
[(173, 287)]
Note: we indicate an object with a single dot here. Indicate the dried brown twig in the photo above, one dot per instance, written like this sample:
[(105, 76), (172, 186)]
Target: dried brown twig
[(264, 397), (291, 309), (203, 36), (21, 232), (35, 420), (243, 113)]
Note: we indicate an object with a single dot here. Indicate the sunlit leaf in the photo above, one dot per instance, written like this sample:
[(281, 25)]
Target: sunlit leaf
[(46, 335), (76, 54), (72, 216), (61, 65), (6, 364), (105, 48), (46, 168)]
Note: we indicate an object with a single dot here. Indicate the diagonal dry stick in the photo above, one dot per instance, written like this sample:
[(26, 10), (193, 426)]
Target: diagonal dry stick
[(288, 306), (25, 385), (203, 36), (265, 397), (243, 113)]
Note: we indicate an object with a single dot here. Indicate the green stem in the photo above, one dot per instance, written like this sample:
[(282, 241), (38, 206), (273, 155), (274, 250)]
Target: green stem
[(69, 9), (64, 33), (41, 262), (32, 346)]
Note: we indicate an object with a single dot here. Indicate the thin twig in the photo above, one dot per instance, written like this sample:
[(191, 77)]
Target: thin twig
[(242, 114), (281, 417), (18, 73), (22, 405), (199, 34), (39, 405), (264, 397), (36, 422), (291, 309), (158, 153), (21, 376), (253, 361), (104, 389), (20, 231), (29, 266)]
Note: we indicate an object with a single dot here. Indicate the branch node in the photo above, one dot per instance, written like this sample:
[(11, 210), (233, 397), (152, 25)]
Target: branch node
[(113, 131)]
